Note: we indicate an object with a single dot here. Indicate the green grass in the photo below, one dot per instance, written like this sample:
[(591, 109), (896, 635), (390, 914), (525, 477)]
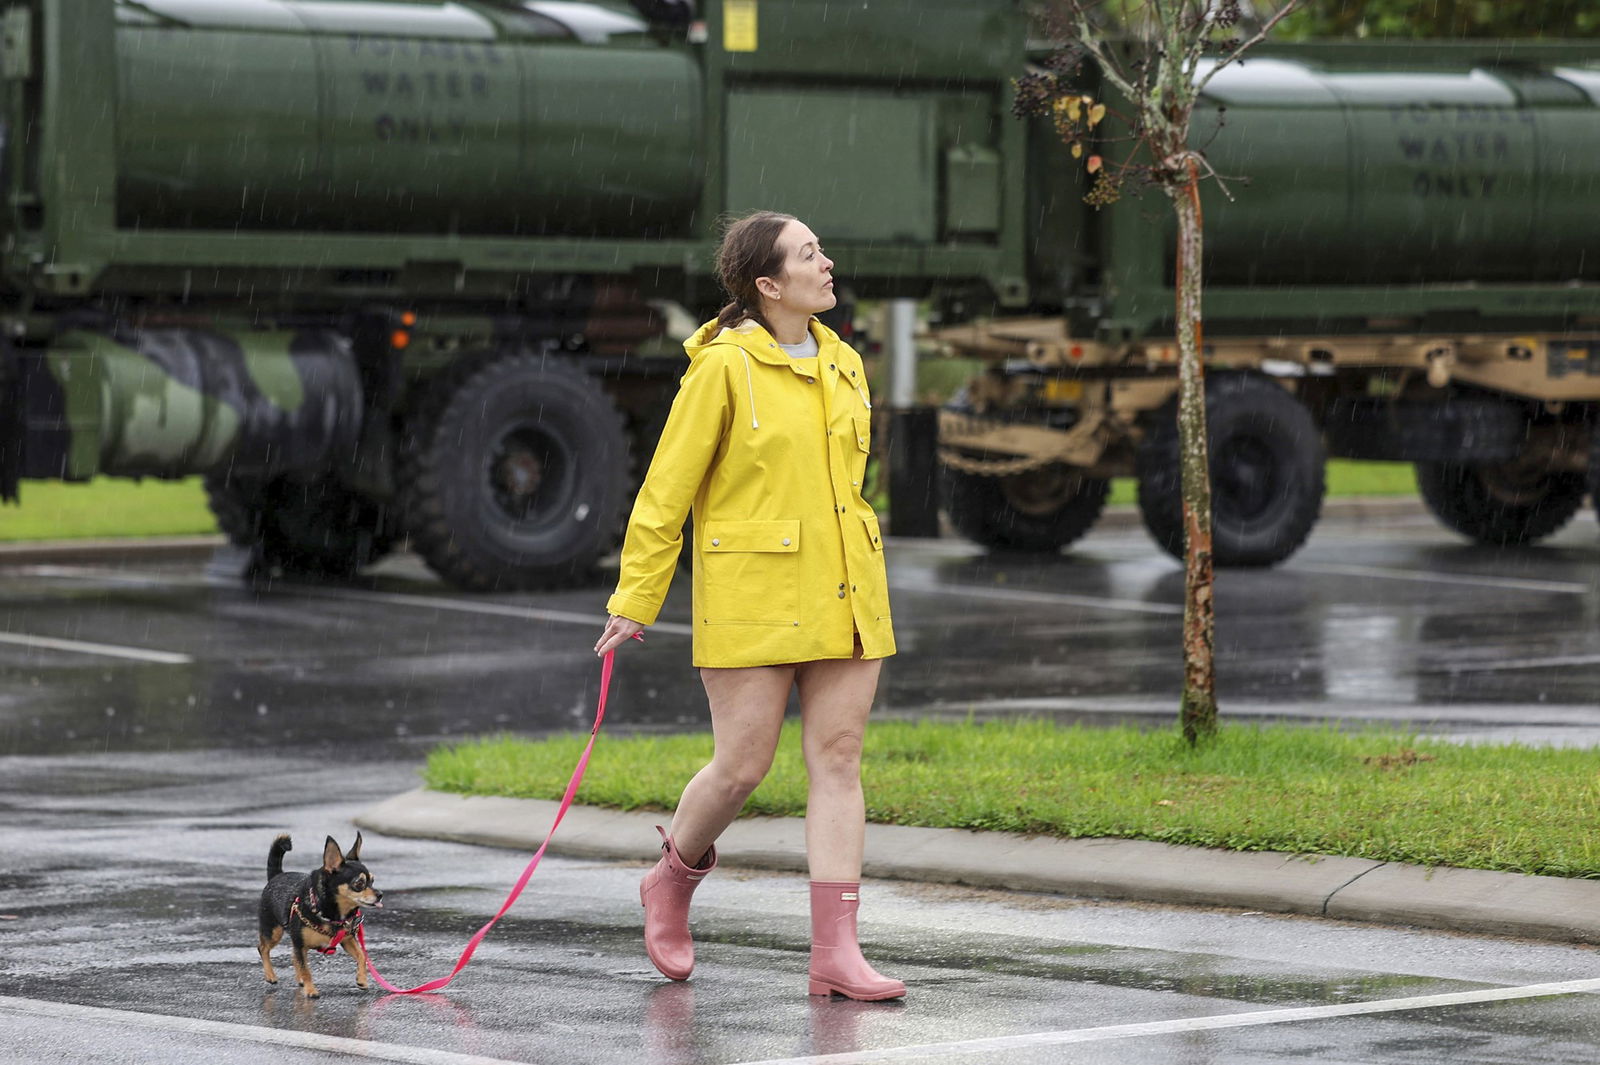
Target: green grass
[(107, 508), (1383, 796), (1345, 478), (111, 508)]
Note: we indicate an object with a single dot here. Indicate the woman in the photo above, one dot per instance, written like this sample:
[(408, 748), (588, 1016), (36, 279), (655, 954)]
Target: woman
[(767, 442)]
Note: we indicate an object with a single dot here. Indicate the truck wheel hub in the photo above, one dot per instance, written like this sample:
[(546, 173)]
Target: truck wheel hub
[(519, 471)]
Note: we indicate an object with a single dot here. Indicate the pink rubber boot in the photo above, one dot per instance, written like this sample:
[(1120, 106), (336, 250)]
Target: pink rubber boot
[(665, 894), (837, 966)]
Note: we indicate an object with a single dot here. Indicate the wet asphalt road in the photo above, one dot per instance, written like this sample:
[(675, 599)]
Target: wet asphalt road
[(148, 756)]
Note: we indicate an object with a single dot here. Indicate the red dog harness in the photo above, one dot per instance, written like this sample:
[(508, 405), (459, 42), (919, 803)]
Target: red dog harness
[(522, 881), (335, 929)]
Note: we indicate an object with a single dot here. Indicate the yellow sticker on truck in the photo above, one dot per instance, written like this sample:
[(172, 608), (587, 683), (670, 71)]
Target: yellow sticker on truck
[(739, 25)]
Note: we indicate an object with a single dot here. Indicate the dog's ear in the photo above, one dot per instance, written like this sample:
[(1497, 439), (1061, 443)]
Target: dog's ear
[(355, 851), (332, 857)]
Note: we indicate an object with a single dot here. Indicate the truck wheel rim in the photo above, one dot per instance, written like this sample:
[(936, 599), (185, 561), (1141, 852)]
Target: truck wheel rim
[(1246, 477), (526, 473)]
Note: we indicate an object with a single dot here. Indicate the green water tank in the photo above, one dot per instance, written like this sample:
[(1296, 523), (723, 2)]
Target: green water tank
[(1377, 176), (545, 118)]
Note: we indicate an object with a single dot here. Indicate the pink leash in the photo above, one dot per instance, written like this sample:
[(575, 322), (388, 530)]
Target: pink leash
[(522, 881)]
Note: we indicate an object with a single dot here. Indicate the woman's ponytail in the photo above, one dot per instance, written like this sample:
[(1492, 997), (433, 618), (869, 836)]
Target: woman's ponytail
[(749, 250)]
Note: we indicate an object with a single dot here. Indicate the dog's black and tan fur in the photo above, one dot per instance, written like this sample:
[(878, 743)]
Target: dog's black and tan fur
[(313, 908)]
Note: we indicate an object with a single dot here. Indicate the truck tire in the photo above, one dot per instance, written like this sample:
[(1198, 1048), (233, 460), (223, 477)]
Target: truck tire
[(514, 476), (1498, 503), (1041, 510), (1267, 475), (317, 528)]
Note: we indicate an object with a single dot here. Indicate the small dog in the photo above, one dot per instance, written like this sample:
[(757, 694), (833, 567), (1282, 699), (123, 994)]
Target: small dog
[(317, 909)]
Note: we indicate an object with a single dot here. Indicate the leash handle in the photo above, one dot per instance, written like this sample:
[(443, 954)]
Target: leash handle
[(522, 881)]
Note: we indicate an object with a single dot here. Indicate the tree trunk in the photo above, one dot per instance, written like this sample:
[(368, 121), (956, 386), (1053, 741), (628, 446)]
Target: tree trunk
[(1197, 712)]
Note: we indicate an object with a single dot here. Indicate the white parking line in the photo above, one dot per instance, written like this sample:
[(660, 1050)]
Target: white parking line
[(468, 606), (1018, 595), (330, 1044), (1037, 1040), (1519, 584), (109, 650), (920, 1053), (435, 602)]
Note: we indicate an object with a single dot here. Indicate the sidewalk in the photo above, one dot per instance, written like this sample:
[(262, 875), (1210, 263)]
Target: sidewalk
[(1352, 889)]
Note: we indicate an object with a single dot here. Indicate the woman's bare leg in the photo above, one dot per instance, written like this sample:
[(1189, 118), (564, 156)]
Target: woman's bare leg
[(746, 713), (835, 698)]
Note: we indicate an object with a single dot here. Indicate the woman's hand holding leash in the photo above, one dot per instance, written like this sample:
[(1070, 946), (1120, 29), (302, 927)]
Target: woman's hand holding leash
[(618, 631)]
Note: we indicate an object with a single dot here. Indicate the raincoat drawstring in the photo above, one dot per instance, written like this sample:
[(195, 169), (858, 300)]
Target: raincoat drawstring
[(751, 386)]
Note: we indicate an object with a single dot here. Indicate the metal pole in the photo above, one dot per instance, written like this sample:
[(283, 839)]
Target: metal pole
[(913, 433), (902, 353)]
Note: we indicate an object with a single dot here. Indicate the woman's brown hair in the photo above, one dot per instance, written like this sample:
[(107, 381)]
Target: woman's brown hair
[(749, 250)]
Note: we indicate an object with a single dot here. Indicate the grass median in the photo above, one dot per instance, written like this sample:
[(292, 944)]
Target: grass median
[(106, 507), (1380, 795)]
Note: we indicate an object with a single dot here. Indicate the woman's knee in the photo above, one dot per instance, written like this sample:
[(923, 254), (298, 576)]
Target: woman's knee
[(838, 755), (739, 779)]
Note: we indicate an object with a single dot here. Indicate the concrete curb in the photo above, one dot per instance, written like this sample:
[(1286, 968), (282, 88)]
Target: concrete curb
[(1356, 510), (176, 548), (1351, 889)]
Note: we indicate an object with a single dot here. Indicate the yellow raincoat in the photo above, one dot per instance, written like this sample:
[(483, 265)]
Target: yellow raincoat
[(771, 452)]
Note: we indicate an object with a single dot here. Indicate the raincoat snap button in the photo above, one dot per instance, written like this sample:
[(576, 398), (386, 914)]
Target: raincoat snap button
[(811, 380), (841, 510), (841, 593), (831, 366), (785, 541), (716, 543)]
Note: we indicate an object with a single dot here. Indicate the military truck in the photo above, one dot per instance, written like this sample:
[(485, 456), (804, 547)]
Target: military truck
[(418, 270), (1407, 272), (415, 271)]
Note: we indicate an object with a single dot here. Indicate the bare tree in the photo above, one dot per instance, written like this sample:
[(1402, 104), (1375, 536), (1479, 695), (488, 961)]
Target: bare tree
[(1157, 56)]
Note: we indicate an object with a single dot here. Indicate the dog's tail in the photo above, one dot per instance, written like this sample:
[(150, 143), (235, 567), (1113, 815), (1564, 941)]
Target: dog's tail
[(280, 847)]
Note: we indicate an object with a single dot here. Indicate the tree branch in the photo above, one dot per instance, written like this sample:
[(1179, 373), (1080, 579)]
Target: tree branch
[(1261, 34), (1084, 34)]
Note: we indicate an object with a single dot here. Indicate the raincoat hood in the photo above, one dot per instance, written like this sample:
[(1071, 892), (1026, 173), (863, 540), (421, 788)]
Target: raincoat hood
[(751, 337)]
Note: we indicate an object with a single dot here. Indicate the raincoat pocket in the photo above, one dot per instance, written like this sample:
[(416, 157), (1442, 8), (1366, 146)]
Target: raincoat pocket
[(750, 573), (863, 448), (875, 593)]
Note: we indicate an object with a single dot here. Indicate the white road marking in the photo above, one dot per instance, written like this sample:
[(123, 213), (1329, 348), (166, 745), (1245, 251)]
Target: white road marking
[(463, 606), (1037, 1040), (467, 606), (1520, 584), (373, 1050), (1018, 595), (109, 650), (329, 1044)]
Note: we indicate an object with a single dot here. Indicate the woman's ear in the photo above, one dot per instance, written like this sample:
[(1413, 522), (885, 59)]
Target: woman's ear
[(769, 288)]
